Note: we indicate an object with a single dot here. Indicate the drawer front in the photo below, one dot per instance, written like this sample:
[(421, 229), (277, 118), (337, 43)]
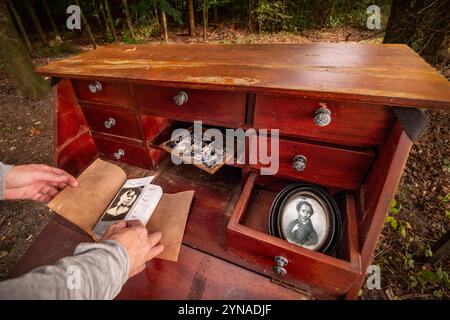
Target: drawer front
[(191, 104), (324, 165), (120, 151), (352, 124), (116, 94), (116, 122)]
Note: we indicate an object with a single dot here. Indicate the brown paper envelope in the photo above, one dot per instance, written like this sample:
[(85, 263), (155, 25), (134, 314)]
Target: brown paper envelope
[(85, 204), (170, 218)]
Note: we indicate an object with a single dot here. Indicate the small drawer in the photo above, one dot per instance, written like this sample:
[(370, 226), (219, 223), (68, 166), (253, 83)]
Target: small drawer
[(121, 151), (116, 94), (343, 123), (249, 240), (325, 165), (191, 104), (115, 122)]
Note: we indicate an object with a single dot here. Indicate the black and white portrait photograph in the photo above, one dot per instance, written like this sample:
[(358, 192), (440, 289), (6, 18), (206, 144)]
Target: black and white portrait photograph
[(122, 203), (305, 222)]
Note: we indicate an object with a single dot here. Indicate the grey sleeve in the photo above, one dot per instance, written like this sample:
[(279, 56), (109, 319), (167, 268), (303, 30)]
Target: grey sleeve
[(4, 170), (96, 271)]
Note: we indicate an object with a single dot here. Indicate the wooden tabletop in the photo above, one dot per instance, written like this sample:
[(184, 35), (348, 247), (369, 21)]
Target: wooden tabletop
[(390, 74)]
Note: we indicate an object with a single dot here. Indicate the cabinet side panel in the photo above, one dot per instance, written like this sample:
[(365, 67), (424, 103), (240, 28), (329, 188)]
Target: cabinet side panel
[(72, 134), (377, 192)]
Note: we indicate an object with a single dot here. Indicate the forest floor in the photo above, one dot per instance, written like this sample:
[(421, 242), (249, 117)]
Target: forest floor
[(419, 216)]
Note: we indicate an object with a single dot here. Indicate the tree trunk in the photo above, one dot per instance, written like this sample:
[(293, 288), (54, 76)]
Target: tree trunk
[(191, 18), (328, 13), (86, 24), (164, 21), (102, 11), (401, 24), (215, 14), (155, 9), (423, 25), (110, 19), (127, 15), (205, 19), (21, 28), (250, 15), (97, 17), (17, 62), (37, 24), (52, 22)]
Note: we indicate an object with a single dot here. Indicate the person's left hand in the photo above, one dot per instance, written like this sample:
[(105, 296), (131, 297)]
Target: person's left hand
[(37, 182)]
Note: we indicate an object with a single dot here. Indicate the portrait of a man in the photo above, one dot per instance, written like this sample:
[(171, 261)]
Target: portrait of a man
[(301, 230), (122, 204)]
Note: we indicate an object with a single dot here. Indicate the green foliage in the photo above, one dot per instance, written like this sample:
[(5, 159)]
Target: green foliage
[(392, 221), (57, 50), (394, 207), (169, 10), (397, 224), (426, 278), (446, 165), (446, 199), (408, 261), (271, 15)]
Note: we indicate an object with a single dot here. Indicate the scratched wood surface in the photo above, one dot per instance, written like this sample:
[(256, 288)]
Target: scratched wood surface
[(389, 74)]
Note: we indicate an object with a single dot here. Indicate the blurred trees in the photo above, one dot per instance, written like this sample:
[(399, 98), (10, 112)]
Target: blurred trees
[(423, 25), (16, 60), (132, 21)]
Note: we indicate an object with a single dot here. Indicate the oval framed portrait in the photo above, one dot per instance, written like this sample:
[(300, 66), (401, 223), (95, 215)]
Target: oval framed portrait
[(307, 216)]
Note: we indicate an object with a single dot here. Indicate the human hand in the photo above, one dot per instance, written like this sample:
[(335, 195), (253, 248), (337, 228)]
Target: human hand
[(140, 245), (37, 182)]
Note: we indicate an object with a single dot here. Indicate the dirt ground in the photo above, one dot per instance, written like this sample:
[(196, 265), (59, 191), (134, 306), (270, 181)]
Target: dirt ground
[(419, 217)]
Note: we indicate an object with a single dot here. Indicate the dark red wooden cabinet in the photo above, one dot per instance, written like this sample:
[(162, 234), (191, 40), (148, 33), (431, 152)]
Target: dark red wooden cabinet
[(332, 103)]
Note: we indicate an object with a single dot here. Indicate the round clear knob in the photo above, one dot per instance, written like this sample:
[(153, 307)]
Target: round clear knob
[(280, 271), (299, 163), (111, 122), (95, 87), (181, 98), (322, 116), (280, 263), (119, 154)]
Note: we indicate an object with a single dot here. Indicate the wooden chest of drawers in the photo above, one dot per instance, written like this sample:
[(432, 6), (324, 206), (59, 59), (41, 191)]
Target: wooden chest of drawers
[(336, 113)]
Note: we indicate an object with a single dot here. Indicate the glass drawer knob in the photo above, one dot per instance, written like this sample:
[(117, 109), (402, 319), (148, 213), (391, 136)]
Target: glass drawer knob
[(181, 98), (280, 263), (322, 116), (95, 87), (299, 163), (111, 122), (119, 154)]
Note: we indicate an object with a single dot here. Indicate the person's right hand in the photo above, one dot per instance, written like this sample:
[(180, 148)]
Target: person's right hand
[(140, 245)]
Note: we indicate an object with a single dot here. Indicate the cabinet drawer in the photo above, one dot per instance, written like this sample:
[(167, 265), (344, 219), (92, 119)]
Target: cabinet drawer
[(191, 104), (249, 239), (116, 122), (121, 151), (325, 165), (352, 124), (116, 94)]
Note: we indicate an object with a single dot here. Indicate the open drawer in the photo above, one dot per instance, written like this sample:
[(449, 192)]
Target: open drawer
[(248, 238)]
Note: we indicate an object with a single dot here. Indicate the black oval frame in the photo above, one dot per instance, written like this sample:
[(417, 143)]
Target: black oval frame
[(332, 241)]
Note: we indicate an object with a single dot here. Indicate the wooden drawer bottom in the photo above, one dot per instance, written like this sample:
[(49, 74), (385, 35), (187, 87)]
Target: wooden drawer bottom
[(248, 238)]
